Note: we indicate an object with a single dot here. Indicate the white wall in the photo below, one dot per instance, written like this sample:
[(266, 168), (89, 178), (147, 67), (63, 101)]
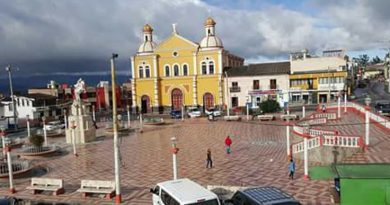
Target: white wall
[(22, 109), (246, 85), (317, 64)]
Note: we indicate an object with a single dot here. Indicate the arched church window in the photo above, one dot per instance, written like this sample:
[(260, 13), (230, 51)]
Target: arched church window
[(167, 71), (146, 38), (204, 68), (211, 67), (176, 70), (140, 72), (185, 70), (147, 72)]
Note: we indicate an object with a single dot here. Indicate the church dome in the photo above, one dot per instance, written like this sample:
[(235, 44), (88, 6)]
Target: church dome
[(209, 22), (147, 47), (211, 41), (147, 28)]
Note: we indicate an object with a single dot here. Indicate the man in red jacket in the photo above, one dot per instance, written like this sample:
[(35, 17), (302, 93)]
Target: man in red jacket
[(228, 143)]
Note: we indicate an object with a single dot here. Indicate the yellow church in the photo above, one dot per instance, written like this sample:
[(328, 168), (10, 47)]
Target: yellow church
[(178, 72)]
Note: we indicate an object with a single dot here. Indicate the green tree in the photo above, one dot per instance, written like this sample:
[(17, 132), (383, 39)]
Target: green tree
[(363, 60), (376, 60), (37, 140), (269, 106)]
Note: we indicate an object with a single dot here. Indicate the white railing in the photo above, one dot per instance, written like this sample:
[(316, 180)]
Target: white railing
[(327, 115), (311, 143), (317, 121), (299, 129), (342, 141)]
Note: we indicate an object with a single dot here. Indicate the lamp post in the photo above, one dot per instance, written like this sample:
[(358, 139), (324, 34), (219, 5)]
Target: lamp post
[(175, 150), (10, 171), (65, 119), (247, 108), (227, 94), (367, 100), (128, 115), (73, 126), (93, 113), (339, 106), (9, 70), (3, 141), (28, 126), (118, 198), (44, 130), (345, 102), (141, 122)]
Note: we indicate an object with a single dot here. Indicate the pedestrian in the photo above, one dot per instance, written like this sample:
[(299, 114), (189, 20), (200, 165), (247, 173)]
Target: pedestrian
[(323, 108), (228, 143), (209, 160), (291, 169)]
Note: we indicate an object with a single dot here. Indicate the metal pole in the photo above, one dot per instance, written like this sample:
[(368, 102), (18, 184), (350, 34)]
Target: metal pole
[(65, 119), (3, 142), (128, 116), (118, 198), (174, 159), (339, 106), (227, 94), (328, 100), (288, 138), (345, 102), (303, 111), (93, 113), (141, 122), (367, 126), (10, 171), (8, 68), (247, 111), (306, 163), (182, 113), (44, 132), (28, 127), (74, 139)]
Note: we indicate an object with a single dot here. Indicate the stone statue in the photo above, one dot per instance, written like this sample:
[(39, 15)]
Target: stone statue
[(79, 88)]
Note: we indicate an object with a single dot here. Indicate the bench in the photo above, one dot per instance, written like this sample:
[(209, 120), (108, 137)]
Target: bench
[(289, 117), (265, 117), (47, 184), (97, 186)]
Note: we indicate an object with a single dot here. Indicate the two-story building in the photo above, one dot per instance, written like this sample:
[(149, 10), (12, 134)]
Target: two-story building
[(317, 79), (255, 83), (178, 72)]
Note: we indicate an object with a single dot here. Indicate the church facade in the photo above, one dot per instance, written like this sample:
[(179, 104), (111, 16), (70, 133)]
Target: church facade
[(178, 72)]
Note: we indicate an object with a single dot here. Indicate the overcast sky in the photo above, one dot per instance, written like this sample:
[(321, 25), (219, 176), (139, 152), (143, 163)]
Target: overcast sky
[(48, 36)]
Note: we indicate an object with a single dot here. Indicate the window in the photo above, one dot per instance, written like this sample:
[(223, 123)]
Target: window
[(174, 53), (28, 102), (185, 70), (176, 70), (234, 84), (167, 199), (140, 72), (166, 71), (258, 101), (10, 107), (23, 102), (204, 68), (147, 72), (256, 85), (211, 67), (18, 102), (146, 38), (273, 84), (234, 101)]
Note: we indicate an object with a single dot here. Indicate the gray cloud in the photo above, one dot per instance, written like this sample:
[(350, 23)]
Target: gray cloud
[(73, 36)]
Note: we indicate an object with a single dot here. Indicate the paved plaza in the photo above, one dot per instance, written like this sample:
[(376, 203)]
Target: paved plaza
[(258, 158)]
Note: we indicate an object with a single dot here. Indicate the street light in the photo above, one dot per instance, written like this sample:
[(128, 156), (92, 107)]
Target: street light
[(118, 197), (44, 130), (367, 100), (128, 115), (28, 126), (9, 70)]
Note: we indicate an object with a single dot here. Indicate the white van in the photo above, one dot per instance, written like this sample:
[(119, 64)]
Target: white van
[(182, 192)]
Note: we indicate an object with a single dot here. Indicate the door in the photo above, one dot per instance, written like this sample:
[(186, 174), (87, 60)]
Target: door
[(177, 99), (208, 101), (145, 103)]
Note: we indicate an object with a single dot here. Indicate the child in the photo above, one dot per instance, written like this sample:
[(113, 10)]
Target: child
[(209, 160), (291, 169), (228, 143)]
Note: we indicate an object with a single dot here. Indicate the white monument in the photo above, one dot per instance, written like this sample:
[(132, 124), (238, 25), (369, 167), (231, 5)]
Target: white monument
[(80, 125)]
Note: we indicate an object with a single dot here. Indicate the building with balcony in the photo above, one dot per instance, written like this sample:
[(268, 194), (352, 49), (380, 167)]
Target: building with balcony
[(255, 83), (316, 79), (179, 72)]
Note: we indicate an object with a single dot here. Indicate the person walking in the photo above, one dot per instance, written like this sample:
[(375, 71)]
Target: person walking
[(323, 108), (228, 143), (291, 169), (209, 160)]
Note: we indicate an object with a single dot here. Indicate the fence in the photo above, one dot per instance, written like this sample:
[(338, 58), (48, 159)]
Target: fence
[(342, 141), (311, 143)]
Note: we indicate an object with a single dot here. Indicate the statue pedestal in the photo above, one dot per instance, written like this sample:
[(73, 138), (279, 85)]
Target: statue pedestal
[(84, 130)]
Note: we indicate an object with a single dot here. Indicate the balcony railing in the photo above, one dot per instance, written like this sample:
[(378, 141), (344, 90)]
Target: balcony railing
[(235, 89)]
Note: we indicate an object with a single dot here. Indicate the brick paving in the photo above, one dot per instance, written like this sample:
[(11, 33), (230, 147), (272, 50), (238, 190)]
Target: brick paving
[(258, 158)]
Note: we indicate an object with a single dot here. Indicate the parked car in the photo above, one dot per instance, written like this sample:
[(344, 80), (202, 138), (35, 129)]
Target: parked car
[(182, 192), (194, 112), (382, 107), (261, 196), (176, 114), (54, 125), (213, 111)]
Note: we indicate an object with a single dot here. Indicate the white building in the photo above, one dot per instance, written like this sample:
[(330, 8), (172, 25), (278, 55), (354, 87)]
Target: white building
[(256, 83)]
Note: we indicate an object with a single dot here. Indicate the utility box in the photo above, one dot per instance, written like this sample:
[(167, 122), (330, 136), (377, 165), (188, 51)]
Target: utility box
[(363, 183)]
